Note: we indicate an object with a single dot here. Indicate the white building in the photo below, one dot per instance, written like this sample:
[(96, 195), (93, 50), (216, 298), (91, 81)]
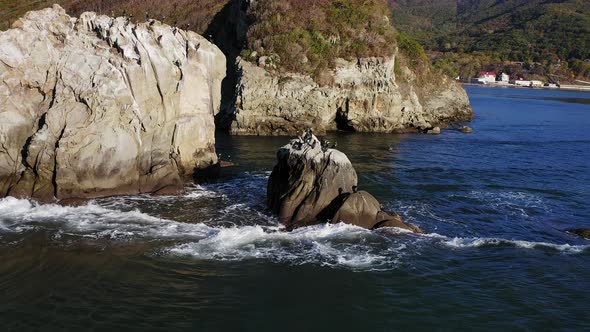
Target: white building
[(486, 77), (504, 78), (530, 84), (521, 83)]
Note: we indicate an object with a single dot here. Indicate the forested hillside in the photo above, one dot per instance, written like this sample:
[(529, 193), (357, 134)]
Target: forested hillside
[(533, 38), (552, 35)]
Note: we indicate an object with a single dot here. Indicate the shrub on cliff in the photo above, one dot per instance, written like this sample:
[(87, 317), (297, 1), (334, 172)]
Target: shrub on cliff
[(411, 48), (306, 36)]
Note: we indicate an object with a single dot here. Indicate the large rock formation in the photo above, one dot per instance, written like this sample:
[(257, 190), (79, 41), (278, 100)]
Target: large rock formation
[(263, 96), (99, 106), (364, 95), (312, 183)]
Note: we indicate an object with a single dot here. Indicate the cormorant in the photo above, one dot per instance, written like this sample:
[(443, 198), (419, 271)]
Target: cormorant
[(308, 135)]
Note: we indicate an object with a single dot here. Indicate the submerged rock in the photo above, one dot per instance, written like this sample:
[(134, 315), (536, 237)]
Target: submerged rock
[(582, 232), (312, 184), (98, 106), (465, 129), (434, 131)]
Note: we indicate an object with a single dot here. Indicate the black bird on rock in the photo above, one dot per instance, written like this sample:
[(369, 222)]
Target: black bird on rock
[(326, 145)]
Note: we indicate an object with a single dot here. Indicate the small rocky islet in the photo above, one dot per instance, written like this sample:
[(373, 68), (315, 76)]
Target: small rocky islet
[(313, 183), (100, 106)]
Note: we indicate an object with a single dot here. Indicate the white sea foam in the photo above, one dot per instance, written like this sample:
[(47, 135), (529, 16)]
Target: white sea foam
[(93, 220), (200, 192), (512, 203), (486, 242), (419, 208), (328, 245)]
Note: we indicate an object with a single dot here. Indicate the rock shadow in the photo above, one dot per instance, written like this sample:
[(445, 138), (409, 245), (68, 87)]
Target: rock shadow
[(228, 30)]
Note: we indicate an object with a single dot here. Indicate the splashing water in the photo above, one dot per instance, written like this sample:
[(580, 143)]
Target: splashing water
[(243, 230)]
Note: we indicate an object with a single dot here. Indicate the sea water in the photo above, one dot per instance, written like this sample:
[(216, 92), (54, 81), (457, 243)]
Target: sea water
[(495, 204)]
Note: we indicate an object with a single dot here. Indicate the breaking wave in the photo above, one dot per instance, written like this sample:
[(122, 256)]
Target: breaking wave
[(491, 242), (336, 245), (240, 230), (92, 220), (326, 245)]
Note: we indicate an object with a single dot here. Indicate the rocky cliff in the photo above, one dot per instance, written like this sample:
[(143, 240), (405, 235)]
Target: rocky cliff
[(327, 65), (99, 106), (363, 95)]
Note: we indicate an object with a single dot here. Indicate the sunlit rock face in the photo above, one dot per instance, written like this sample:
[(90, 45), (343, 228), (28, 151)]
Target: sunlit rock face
[(98, 106), (313, 183), (363, 95)]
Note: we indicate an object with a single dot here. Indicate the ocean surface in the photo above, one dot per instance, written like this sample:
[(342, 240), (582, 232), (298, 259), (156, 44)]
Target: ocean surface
[(495, 204)]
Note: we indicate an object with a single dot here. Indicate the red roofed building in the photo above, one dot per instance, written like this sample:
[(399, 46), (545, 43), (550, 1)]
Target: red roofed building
[(486, 77)]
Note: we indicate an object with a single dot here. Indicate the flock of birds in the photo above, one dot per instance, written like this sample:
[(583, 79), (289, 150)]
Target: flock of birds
[(307, 137)]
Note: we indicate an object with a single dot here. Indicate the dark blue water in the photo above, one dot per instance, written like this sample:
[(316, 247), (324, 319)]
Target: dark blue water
[(495, 203)]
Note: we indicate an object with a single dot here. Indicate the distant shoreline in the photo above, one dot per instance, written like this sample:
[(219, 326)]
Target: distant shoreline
[(562, 87)]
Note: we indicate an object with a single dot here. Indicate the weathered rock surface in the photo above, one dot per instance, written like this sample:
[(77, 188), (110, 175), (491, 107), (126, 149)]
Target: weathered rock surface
[(306, 180), (362, 209), (98, 106), (365, 96), (312, 184)]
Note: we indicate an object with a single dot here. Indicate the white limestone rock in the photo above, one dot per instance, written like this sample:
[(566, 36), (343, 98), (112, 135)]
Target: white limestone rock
[(365, 96), (97, 106)]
